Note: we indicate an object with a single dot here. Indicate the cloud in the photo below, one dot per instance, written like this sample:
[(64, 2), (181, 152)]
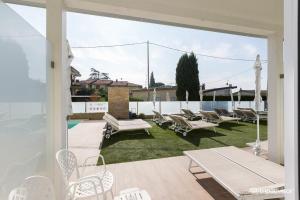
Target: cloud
[(250, 50)]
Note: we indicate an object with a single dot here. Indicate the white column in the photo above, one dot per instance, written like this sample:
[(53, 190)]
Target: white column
[(291, 98), (56, 35), (275, 98)]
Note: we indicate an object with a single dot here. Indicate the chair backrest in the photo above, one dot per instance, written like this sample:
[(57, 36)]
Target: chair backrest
[(39, 188), (250, 109), (67, 163), (205, 114), (188, 112), (249, 113), (175, 119), (213, 116), (184, 122), (111, 120), (225, 112), (239, 113), (18, 194), (219, 111), (157, 114), (161, 116)]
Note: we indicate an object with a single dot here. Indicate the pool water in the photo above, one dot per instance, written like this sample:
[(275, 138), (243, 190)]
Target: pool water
[(72, 123)]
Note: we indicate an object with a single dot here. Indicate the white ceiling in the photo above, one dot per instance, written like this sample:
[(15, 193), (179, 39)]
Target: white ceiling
[(251, 17)]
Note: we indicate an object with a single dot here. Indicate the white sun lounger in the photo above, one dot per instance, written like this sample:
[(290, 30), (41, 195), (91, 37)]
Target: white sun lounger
[(161, 119), (212, 116), (191, 115), (243, 174), (114, 126), (182, 125)]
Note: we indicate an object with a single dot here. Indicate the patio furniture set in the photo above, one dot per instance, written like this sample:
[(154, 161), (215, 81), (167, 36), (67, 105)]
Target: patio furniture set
[(246, 177)]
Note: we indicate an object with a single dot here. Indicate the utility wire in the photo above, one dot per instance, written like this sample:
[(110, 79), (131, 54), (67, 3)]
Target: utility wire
[(204, 55), (166, 47), (104, 46)]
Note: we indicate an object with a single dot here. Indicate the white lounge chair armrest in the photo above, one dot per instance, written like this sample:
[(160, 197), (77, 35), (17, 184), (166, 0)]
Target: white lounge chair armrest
[(85, 163), (82, 181), (103, 162)]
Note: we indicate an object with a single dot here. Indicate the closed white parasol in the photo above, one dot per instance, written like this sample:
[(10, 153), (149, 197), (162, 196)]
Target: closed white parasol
[(258, 99)]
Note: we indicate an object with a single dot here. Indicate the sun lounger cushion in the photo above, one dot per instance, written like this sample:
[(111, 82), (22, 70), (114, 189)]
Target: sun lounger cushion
[(192, 124), (201, 124)]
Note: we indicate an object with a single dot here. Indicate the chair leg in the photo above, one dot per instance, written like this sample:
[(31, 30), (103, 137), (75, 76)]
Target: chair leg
[(147, 131), (190, 165)]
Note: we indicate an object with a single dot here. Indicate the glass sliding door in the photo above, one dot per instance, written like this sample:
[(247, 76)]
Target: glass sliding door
[(24, 136)]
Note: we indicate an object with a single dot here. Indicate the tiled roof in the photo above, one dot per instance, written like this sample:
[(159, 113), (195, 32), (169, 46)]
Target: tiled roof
[(250, 92), (109, 83), (103, 82)]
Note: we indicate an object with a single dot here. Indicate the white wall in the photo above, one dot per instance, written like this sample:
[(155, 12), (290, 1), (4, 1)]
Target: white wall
[(275, 98), (291, 98), (56, 35)]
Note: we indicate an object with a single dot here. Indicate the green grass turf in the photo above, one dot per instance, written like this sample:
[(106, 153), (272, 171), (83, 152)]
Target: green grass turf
[(137, 145)]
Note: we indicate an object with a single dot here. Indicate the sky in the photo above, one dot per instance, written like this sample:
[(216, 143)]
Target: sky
[(129, 63)]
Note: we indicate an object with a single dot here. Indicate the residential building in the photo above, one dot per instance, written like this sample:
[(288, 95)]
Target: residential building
[(100, 84), (169, 93), (250, 94), (162, 94)]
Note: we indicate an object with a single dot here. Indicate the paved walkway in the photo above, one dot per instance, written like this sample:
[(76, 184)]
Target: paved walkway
[(85, 138), (165, 179)]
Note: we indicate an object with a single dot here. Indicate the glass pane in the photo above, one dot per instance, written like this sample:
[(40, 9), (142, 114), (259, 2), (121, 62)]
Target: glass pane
[(23, 101)]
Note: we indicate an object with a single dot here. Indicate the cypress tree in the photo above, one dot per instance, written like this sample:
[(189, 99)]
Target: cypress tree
[(152, 80), (187, 77)]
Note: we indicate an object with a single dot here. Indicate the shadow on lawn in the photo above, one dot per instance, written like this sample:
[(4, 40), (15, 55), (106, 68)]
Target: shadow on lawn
[(194, 137), (126, 135), (230, 125)]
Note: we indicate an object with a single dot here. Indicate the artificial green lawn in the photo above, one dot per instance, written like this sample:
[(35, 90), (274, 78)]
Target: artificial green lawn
[(133, 146)]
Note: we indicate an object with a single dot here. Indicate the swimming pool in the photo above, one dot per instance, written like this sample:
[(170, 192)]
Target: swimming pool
[(72, 123)]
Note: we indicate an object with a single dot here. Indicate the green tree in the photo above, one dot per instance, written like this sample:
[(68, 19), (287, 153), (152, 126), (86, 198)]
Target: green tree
[(187, 77), (159, 84), (152, 80)]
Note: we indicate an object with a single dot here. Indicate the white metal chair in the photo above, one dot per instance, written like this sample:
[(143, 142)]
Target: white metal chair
[(84, 186), (39, 188), (18, 194)]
